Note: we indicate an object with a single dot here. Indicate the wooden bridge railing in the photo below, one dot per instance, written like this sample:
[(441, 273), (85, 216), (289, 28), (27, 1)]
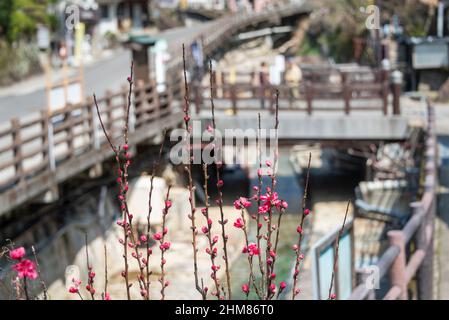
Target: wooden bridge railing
[(32, 146), (410, 253), (346, 94)]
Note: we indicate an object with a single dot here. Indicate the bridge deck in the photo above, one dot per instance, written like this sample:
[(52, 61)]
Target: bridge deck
[(302, 127)]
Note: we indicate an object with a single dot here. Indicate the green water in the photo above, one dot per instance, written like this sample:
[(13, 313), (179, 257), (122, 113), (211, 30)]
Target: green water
[(284, 260)]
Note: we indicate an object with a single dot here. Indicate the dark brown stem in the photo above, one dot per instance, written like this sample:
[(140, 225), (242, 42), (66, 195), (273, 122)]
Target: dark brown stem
[(301, 224), (25, 288), (123, 183), (199, 288), (105, 272), (90, 280), (259, 192), (128, 107), (337, 244), (44, 287), (209, 233), (269, 267), (164, 219), (114, 148), (252, 278), (150, 209), (222, 221)]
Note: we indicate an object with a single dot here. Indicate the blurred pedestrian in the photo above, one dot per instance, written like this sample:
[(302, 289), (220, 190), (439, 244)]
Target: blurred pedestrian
[(293, 77), (263, 83)]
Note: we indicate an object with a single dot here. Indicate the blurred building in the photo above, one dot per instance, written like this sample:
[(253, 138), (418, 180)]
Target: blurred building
[(123, 15)]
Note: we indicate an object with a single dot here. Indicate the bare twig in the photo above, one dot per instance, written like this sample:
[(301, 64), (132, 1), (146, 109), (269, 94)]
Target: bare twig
[(337, 244), (105, 272), (114, 148), (270, 266), (44, 287), (300, 230), (90, 278), (150, 209), (259, 192), (252, 277), (130, 239), (128, 107), (208, 231), (25, 288), (188, 168), (164, 284), (222, 221)]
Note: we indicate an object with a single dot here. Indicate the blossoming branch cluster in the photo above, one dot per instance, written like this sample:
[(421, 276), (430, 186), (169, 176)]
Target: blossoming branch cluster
[(261, 252)]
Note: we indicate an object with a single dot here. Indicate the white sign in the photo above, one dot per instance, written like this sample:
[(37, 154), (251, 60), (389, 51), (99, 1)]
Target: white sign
[(43, 37), (59, 97)]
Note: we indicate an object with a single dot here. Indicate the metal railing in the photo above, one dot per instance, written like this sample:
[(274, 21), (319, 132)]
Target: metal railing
[(410, 251)]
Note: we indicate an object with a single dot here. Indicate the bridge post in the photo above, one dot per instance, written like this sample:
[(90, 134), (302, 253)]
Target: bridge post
[(309, 96), (234, 99), (94, 122), (398, 268), (214, 82), (51, 144), (223, 84), (385, 90), (17, 149), (44, 126), (396, 79), (108, 123), (140, 101), (198, 97), (347, 92), (69, 131), (156, 102)]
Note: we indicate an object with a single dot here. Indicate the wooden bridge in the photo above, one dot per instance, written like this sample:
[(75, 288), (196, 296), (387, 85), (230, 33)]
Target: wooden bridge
[(327, 105), (40, 151)]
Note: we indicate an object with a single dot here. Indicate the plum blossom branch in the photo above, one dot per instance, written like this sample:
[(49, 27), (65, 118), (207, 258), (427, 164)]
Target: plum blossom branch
[(26, 269), (259, 192), (220, 184), (44, 287), (106, 295), (333, 296), (129, 239), (191, 188), (299, 229), (212, 240), (251, 249), (144, 238), (163, 245), (90, 274)]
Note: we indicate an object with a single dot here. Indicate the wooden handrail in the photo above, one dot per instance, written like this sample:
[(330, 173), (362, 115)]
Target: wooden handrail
[(420, 228), (67, 128), (305, 91)]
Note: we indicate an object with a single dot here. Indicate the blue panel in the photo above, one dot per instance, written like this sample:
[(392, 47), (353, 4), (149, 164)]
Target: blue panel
[(325, 263), (344, 267)]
